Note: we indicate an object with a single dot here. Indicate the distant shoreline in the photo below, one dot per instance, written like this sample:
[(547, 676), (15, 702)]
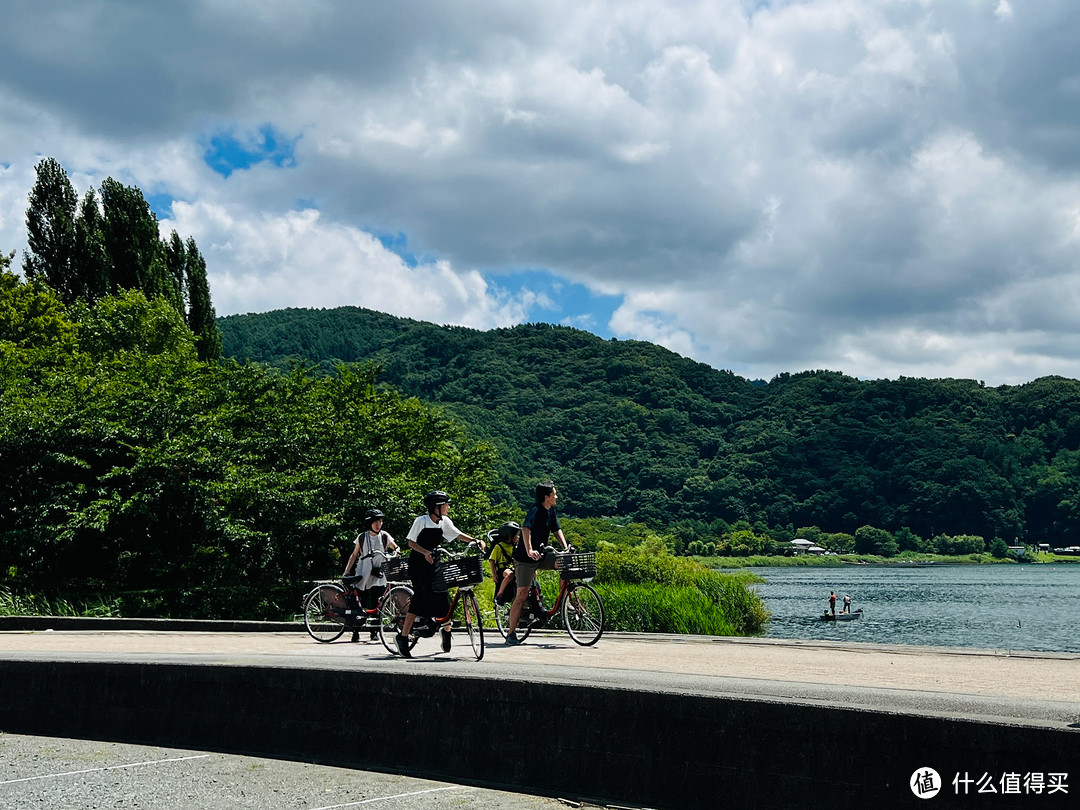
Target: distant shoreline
[(909, 560)]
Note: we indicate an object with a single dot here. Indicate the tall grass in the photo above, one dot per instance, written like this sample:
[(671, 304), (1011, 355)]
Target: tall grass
[(686, 594), (646, 590), (661, 609), (15, 604)]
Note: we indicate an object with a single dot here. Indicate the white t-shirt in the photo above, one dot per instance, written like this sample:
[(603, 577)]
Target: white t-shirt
[(372, 554), (449, 530)]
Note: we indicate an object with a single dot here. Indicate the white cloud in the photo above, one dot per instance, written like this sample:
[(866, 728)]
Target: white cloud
[(884, 188), (296, 259)]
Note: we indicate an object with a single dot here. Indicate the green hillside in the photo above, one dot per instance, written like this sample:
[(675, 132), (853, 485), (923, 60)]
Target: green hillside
[(630, 429)]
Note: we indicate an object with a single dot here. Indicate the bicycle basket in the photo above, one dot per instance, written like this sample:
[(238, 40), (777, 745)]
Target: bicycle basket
[(457, 573), (396, 569), (576, 564)]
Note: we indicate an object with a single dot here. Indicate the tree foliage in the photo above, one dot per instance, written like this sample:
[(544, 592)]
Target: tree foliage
[(129, 467), (85, 252)]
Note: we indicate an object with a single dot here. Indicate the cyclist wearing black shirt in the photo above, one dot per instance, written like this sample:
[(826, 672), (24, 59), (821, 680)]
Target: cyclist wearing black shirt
[(541, 522)]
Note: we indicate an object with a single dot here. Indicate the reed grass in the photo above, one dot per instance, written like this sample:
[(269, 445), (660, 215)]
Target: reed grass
[(16, 604)]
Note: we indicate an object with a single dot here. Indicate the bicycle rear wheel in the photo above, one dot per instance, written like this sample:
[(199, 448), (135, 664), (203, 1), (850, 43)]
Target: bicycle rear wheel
[(474, 624), (583, 614), (502, 617), (392, 610), (324, 612)]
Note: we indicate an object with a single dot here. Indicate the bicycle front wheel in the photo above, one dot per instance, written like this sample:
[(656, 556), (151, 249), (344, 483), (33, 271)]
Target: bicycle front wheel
[(474, 624), (392, 610), (583, 615), (324, 613)]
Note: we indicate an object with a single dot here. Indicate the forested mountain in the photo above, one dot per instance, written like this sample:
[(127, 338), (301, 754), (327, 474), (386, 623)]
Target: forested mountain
[(630, 429)]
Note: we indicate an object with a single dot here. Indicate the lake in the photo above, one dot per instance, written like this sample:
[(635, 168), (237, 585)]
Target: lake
[(1001, 607)]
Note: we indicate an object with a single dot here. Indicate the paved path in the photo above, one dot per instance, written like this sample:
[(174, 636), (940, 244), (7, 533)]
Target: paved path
[(49, 772), (1038, 688)]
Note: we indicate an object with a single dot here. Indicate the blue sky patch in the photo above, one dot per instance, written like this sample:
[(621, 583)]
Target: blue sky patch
[(573, 304), (160, 204), (227, 152), (398, 244)]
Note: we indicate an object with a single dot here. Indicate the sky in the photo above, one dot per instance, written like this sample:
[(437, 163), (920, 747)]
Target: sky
[(880, 187)]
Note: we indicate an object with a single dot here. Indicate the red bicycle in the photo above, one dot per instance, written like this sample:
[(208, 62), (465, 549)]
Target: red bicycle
[(461, 571), (330, 609), (580, 605)]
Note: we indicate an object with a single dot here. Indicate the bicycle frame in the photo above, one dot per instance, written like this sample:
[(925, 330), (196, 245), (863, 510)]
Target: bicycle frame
[(581, 607), (328, 613), (392, 620)]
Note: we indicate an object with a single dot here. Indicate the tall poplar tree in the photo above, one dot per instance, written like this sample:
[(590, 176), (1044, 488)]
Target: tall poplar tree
[(50, 226), (92, 266), (201, 318), (175, 263), (133, 243)]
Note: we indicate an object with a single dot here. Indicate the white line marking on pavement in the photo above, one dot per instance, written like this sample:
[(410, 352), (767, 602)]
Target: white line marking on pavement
[(387, 798), (99, 770)]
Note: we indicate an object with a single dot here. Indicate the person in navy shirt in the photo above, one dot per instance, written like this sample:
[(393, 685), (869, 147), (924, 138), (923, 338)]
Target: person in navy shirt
[(540, 524)]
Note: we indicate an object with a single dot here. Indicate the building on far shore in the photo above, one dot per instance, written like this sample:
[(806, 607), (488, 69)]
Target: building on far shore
[(801, 546)]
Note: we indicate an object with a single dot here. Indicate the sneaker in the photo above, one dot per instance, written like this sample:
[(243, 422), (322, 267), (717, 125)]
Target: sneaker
[(446, 641), (512, 638), (403, 646), (374, 635), (355, 637)]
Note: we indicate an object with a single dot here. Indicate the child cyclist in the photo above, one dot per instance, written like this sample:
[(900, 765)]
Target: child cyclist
[(501, 560), (427, 532), (368, 555)]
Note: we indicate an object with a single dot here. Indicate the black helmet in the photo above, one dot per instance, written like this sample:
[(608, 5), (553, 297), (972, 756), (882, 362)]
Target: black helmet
[(435, 499), (371, 516), (506, 532)]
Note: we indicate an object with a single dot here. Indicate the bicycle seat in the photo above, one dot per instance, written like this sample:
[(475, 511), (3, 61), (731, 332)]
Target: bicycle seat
[(352, 579)]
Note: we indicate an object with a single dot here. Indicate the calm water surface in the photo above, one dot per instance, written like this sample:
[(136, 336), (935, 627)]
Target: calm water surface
[(1004, 607)]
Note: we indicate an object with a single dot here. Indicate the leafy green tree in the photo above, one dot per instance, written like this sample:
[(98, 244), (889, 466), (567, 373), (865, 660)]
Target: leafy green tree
[(50, 230), (32, 318), (184, 488), (201, 318), (999, 548), (840, 542), (871, 540), (907, 540)]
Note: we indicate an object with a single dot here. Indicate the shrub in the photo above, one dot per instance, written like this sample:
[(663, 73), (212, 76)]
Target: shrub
[(672, 580)]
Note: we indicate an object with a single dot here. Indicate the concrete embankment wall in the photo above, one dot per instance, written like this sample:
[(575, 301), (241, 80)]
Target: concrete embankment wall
[(649, 748)]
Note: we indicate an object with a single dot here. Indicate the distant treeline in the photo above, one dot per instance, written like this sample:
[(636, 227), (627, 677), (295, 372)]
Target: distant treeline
[(630, 429)]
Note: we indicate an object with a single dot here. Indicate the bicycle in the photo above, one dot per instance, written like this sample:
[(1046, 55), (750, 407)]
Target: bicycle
[(330, 609), (461, 571), (581, 607)]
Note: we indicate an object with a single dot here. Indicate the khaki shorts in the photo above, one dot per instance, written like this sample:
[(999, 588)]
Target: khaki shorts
[(525, 572)]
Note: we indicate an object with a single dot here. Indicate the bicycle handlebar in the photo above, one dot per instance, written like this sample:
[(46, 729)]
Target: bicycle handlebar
[(442, 551)]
